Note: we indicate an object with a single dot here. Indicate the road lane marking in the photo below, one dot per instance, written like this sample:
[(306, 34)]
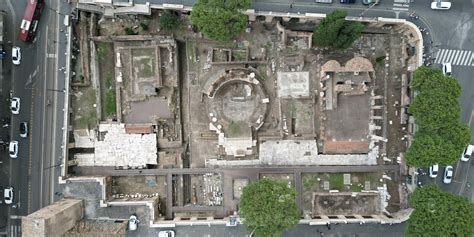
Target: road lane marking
[(32, 113), (399, 9)]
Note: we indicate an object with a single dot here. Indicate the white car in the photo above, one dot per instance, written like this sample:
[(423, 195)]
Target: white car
[(438, 5), (466, 155), (15, 105), (434, 171), (8, 195), (448, 174), (166, 233), (13, 149), (133, 222), (16, 55), (447, 69)]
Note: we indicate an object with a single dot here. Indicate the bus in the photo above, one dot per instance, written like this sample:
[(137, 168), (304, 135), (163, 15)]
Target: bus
[(29, 24)]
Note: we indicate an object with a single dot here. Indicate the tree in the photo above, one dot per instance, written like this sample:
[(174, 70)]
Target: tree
[(433, 80), (437, 213), (334, 31), (220, 19), (268, 207), (433, 109), (441, 137), (443, 146), (169, 20)]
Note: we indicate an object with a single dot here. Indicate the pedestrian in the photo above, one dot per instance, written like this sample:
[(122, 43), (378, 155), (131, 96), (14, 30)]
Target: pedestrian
[(322, 234), (291, 5), (328, 226)]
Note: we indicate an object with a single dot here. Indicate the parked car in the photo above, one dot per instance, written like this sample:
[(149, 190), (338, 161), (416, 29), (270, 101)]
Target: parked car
[(466, 155), (166, 233), (438, 5), (370, 2), (348, 1), (133, 222), (447, 69), (24, 129), (434, 171), (8, 195), (448, 174), (16, 55), (15, 105), (13, 149)]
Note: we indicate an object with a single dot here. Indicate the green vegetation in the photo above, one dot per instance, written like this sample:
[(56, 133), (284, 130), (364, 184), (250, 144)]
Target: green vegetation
[(336, 181), (102, 50), (169, 20), (236, 129), (130, 31), (335, 32), (308, 181), (110, 97), (144, 26), (380, 61), (438, 213), (441, 136), (268, 207), (220, 20)]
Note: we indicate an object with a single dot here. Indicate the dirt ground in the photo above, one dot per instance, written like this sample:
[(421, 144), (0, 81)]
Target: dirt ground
[(83, 109), (314, 182), (305, 115), (139, 184)]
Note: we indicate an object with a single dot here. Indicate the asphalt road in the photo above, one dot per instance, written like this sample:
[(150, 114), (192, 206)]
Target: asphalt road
[(349, 230), (453, 30), (34, 174)]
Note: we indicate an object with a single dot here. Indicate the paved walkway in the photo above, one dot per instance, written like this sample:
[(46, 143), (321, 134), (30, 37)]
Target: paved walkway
[(250, 172)]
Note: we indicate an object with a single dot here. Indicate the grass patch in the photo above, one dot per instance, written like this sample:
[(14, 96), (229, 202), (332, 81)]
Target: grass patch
[(336, 181), (238, 55), (356, 188), (236, 129), (110, 97), (309, 182), (102, 50)]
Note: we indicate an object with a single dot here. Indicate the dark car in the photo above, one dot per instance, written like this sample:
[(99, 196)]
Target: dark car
[(348, 1), (24, 129)]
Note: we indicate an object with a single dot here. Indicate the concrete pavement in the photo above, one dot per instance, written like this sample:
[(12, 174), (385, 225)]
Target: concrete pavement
[(349, 230)]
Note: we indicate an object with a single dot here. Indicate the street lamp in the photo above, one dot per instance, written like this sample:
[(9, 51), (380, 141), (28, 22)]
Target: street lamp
[(54, 10), (56, 90)]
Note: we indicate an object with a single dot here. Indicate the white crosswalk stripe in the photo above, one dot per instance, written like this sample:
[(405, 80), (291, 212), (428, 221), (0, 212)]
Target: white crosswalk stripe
[(15, 230), (401, 5), (455, 57)]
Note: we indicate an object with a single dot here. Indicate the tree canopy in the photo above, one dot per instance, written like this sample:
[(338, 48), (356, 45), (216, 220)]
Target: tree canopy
[(220, 19), (169, 20), (434, 110), (437, 213), (268, 207), (335, 32), (441, 136)]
